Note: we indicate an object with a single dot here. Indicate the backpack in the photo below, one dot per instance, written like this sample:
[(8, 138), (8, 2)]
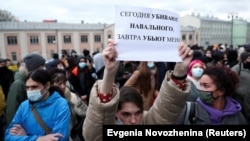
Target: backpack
[(190, 113)]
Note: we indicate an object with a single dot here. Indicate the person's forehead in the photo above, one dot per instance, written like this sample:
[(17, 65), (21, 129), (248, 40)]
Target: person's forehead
[(82, 59), (206, 79), (129, 107), (31, 82), (197, 64)]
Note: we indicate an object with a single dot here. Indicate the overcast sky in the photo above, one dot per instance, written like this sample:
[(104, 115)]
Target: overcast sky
[(95, 11)]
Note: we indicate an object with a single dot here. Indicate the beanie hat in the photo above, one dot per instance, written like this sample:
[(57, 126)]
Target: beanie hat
[(33, 61)]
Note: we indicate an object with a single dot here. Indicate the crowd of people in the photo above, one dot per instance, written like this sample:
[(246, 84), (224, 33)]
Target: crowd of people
[(72, 96)]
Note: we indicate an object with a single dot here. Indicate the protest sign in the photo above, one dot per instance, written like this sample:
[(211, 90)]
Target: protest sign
[(145, 34)]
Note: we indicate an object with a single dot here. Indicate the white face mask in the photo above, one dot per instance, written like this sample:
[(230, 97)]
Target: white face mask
[(60, 67), (150, 65), (34, 95), (118, 121), (197, 72), (82, 64)]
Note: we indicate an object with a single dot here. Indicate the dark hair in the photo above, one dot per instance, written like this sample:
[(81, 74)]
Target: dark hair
[(130, 94), (57, 75), (43, 76), (55, 56), (72, 63), (217, 57), (224, 78), (39, 75)]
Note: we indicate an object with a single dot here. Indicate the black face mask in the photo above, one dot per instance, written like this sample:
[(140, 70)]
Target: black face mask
[(206, 97), (247, 65)]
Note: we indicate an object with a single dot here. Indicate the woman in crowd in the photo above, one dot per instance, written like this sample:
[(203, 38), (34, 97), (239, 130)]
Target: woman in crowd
[(81, 78), (109, 105), (51, 107), (145, 80), (195, 71), (215, 105), (77, 105)]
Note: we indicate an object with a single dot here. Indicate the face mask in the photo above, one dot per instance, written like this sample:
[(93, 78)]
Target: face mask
[(209, 55), (60, 67), (197, 72), (34, 95), (73, 54), (119, 122), (247, 65), (150, 65), (206, 97), (82, 64)]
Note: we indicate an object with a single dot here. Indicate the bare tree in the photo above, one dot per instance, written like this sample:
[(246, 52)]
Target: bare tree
[(6, 16)]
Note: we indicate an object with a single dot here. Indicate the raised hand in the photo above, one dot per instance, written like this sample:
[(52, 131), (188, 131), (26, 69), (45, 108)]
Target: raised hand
[(186, 55), (110, 55)]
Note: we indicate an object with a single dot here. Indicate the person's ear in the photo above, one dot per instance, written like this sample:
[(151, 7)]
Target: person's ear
[(47, 85)]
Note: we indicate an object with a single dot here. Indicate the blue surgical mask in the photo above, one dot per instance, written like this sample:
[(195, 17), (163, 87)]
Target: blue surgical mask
[(34, 95), (151, 65), (82, 64), (206, 97), (197, 72)]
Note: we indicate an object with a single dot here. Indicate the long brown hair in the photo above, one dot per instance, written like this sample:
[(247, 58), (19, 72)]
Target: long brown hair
[(144, 81)]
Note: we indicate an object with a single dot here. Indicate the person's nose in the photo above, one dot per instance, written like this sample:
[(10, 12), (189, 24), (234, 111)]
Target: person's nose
[(133, 119)]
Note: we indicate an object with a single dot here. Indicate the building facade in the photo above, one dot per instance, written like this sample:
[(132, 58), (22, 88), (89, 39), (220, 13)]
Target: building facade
[(18, 39), (210, 30)]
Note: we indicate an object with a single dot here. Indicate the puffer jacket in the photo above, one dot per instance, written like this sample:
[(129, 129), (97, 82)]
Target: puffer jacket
[(165, 110), (55, 113)]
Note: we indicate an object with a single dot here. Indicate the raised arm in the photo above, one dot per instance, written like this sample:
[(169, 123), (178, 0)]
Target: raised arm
[(104, 98), (186, 55), (111, 67), (173, 93)]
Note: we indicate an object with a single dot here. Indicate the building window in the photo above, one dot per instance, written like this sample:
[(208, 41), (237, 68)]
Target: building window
[(84, 38), (34, 40), (12, 40), (67, 39), (190, 37), (97, 38), (51, 39), (13, 56), (183, 37), (109, 36)]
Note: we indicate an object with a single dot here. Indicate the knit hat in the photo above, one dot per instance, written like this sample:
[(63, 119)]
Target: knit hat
[(33, 61)]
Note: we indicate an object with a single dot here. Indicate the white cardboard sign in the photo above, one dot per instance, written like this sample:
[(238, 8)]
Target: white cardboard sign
[(144, 34)]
